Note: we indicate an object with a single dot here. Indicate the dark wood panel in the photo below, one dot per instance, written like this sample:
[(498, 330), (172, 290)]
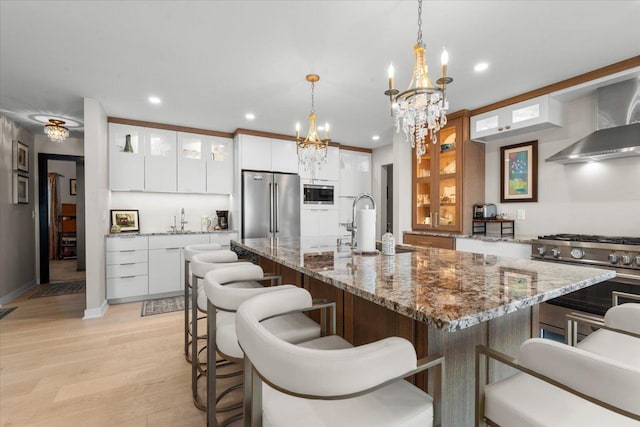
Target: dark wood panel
[(269, 267), (319, 289), (290, 276), (168, 127), (429, 241), (372, 322)]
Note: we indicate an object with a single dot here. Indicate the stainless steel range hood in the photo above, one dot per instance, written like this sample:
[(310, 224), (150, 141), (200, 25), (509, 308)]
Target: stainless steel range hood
[(618, 133)]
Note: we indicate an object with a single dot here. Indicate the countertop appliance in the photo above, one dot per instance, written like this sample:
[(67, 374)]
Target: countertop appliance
[(318, 194), (484, 211), (270, 205), (621, 254)]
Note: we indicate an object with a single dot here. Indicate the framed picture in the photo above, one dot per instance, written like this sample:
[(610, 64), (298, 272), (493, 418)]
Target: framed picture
[(20, 189), (519, 172), (127, 220), (20, 156), (517, 284), (73, 189)]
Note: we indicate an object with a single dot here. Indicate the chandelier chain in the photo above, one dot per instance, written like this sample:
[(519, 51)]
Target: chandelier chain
[(313, 85), (420, 22)]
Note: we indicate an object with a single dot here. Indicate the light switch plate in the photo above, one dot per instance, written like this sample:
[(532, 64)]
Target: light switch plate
[(521, 214)]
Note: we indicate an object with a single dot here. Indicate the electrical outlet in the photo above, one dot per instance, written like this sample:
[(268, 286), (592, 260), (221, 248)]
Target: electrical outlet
[(521, 214)]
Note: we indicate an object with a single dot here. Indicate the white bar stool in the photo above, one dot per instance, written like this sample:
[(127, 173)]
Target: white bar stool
[(326, 381), (189, 252), (223, 300)]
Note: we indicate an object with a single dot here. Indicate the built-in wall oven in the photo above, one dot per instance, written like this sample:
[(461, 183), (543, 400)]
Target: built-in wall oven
[(318, 194), (620, 254)]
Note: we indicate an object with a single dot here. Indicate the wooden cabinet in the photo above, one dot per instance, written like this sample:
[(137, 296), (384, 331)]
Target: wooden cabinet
[(126, 158), (159, 160), (427, 241), (527, 116), (448, 179), (67, 238)]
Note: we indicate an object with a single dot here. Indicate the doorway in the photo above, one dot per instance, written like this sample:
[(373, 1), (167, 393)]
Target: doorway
[(386, 191), (61, 222)]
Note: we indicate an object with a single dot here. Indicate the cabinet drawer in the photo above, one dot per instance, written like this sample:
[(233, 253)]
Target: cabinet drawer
[(223, 239), (126, 257), (126, 243), (123, 287), (125, 270), (176, 241), (429, 241)]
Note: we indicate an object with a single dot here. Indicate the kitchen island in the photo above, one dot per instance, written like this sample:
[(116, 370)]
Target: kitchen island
[(443, 301)]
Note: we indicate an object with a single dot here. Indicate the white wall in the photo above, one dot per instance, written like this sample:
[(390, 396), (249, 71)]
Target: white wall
[(158, 209), (380, 157), (589, 198), (17, 227), (97, 198)]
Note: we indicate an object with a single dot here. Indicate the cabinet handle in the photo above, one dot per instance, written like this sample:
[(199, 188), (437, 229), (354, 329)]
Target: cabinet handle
[(130, 250), (171, 249), (437, 214), (129, 263), (127, 277), (507, 127), (500, 129)]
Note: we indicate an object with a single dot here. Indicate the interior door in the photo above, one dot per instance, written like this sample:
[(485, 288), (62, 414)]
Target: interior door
[(287, 205)]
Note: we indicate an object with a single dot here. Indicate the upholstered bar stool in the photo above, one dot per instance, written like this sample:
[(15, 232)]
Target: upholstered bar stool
[(201, 264), (189, 251), (326, 381), (223, 300), (558, 385)]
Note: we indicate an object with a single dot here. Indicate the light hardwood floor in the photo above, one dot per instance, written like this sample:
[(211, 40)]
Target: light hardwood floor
[(64, 269), (120, 370)]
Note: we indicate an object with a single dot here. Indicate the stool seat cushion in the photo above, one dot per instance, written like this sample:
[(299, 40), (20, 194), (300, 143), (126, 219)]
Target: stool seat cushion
[(398, 404), (294, 328), (191, 250), (613, 345)]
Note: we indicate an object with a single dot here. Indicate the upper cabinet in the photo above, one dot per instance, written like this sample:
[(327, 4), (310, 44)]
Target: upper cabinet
[(527, 116), (126, 157), (268, 154), (192, 162), (160, 160), (329, 171), (355, 173), (220, 166)]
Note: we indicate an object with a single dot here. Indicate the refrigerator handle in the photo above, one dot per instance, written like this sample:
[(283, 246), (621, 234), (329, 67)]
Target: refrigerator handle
[(270, 208), (276, 207)]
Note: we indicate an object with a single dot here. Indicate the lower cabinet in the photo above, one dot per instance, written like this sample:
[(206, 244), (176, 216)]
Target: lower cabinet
[(164, 270), (318, 222), (127, 268), (428, 241), (498, 248)]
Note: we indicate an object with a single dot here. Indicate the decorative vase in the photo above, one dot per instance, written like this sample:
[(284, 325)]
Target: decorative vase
[(127, 145)]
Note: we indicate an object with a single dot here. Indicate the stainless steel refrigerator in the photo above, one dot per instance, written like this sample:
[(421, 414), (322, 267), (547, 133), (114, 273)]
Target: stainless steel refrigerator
[(270, 205)]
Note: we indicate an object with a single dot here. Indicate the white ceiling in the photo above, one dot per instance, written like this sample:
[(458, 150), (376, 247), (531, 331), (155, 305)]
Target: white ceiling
[(212, 62)]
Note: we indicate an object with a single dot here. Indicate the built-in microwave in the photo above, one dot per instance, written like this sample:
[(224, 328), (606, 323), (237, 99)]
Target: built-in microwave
[(318, 194)]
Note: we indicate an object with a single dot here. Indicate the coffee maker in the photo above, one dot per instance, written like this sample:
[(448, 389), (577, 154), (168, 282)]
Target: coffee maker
[(223, 220)]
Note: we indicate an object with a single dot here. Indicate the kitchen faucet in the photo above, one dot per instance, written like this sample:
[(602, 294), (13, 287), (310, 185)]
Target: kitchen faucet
[(353, 226), (182, 221)]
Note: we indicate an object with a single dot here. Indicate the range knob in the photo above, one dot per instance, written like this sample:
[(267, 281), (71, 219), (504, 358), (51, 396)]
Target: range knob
[(555, 252), (613, 258), (577, 253), (542, 250), (626, 259)]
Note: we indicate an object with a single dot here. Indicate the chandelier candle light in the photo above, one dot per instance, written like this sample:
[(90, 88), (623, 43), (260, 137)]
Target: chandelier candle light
[(312, 151), (56, 131), (421, 109)]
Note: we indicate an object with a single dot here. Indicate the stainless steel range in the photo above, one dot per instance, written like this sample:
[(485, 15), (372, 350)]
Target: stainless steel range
[(621, 254)]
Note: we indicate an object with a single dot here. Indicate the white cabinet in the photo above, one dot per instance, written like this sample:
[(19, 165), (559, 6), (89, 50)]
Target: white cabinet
[(164, 270), (223, 238), (329, 171), (355, 173), (160, 160), (219, 166), (268, 154), (126, 267), (498, 248), (192, 163), (126, 160), (318, 222), (527, 116)]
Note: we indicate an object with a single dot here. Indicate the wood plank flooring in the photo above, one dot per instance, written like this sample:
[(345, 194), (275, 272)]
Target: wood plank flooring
[(120, 370)]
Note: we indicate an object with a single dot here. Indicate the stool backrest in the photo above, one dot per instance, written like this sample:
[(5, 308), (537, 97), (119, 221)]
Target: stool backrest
[(625, 317), (191, 250)]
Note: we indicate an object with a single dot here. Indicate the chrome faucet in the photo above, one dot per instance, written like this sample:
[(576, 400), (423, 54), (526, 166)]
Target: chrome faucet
[(353, 226), (182, 221)]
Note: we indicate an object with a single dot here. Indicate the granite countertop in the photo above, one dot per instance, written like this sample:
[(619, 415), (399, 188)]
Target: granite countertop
[(167, 233), (518, 238), (450, 290)]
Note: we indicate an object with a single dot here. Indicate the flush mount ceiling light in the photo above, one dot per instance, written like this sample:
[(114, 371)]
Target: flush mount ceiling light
[(312, 151), (56, 131), (420, 111)]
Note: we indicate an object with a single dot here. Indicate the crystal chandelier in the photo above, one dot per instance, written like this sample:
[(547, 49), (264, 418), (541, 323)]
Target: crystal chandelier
[(56, 131), (312, 151), (421, 110)]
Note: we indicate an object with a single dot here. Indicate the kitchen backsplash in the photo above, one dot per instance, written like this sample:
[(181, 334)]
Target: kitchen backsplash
[(158, 209)]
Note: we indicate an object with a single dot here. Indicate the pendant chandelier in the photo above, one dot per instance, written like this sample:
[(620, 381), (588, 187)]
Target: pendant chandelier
[(56, 131), (420, 111), (312, 151)]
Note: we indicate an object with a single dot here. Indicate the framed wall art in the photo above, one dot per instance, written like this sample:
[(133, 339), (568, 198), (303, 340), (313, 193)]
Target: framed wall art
[(519, 172), (20, 156), (73, 189), (20, 189), (127, 219)]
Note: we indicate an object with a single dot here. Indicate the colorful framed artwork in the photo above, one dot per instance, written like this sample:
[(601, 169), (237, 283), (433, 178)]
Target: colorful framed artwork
[(20, 156), (519, 172), (127, 219)]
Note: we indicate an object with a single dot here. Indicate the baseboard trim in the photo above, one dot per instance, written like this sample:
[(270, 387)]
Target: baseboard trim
[(15, 294), (92, 313)]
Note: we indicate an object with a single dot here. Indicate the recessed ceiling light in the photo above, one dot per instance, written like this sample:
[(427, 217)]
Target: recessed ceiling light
[(250, 116), (481, 66), (375, 137), (154, 100)]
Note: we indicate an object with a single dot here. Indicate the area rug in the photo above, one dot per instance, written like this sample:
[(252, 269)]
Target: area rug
[(59, 288), (4, 312), (162, 305)]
